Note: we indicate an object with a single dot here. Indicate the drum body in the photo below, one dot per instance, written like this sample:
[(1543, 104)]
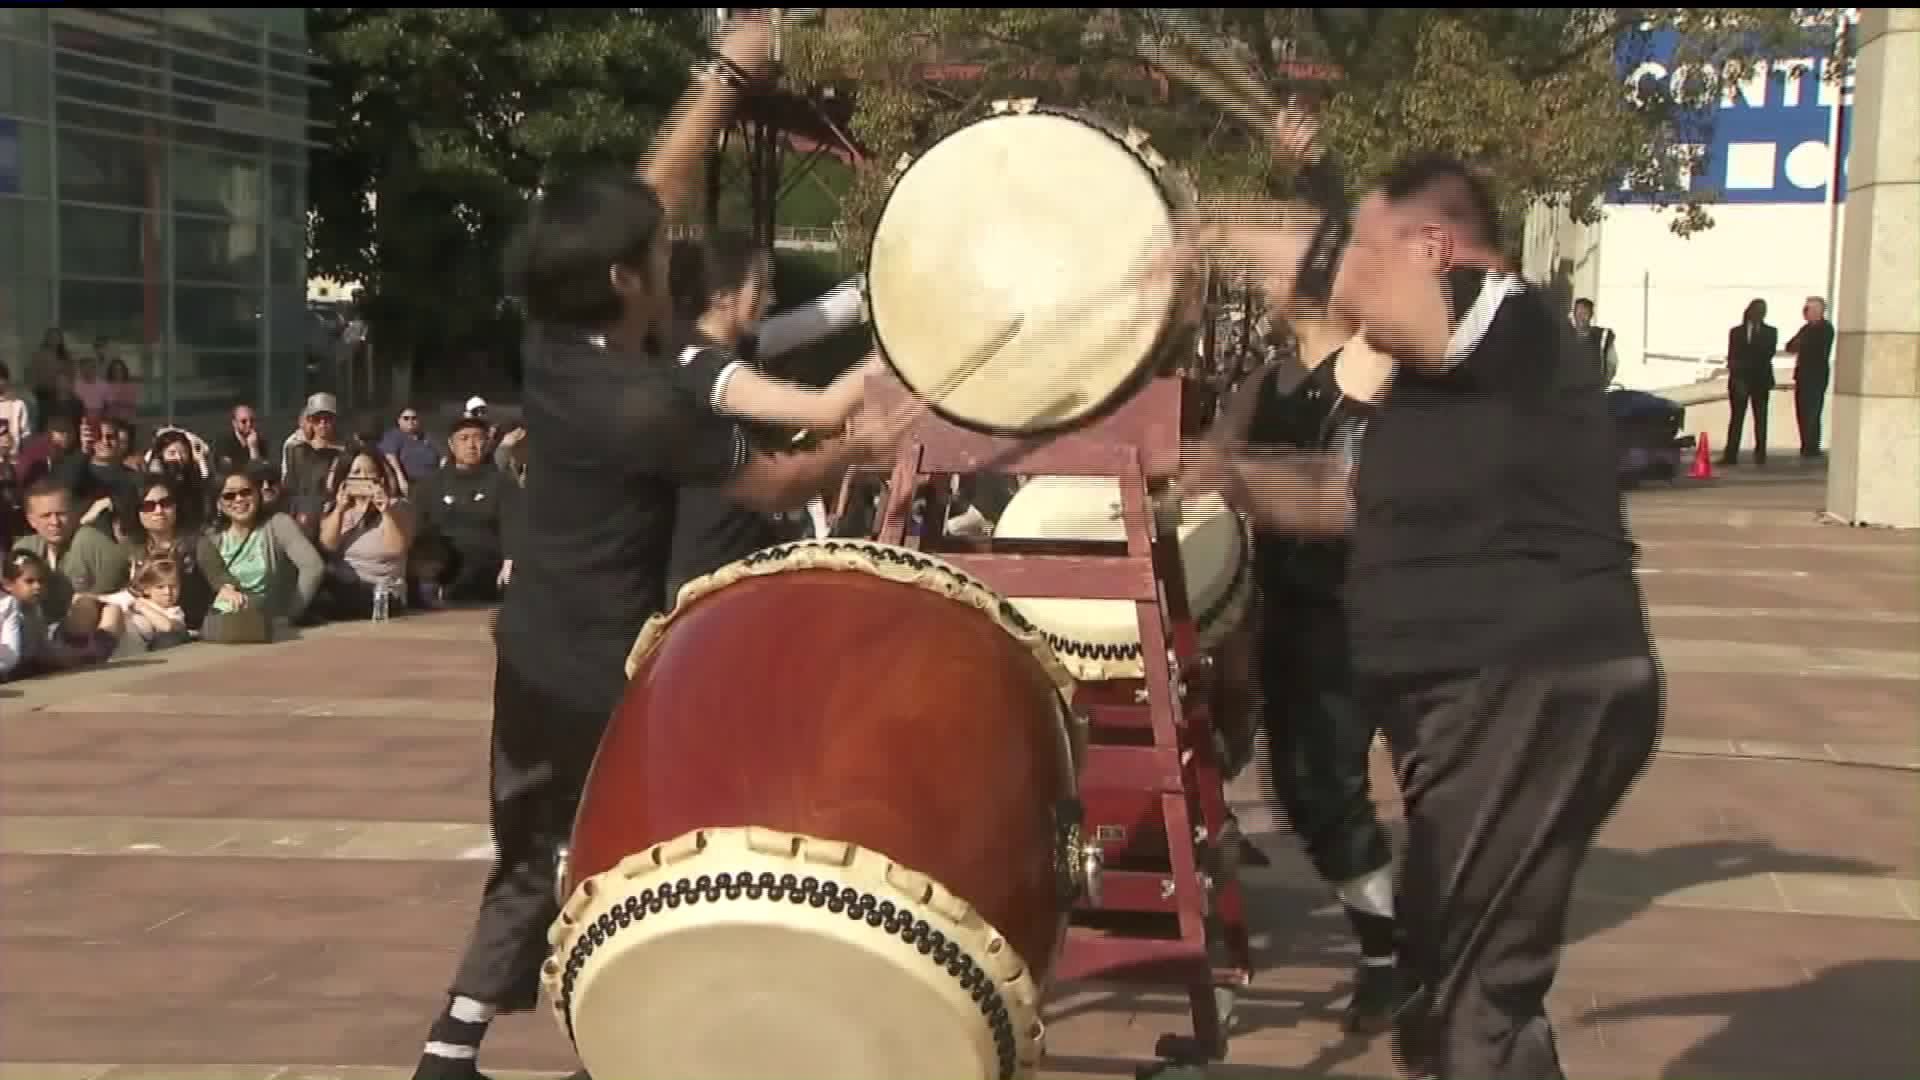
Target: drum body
[(1099, 640), (1011, 277), (831, 831)]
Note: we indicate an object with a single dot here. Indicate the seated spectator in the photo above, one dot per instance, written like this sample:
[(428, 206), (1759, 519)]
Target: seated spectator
[(82, 565), (26, 644), (14, 410), (160, 530), (53, 453), (465, 509), (173, 457), (150, 608), (121, 400), (266, 476), (409, 448), (308, 472), (241, 443), (182, 449), (365, 533), (13, 516), (109, 482), (255, 564)]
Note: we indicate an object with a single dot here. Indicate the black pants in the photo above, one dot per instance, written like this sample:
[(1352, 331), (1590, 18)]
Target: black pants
[(471, 574), (542, 749), (1318, 741), (1507, 774), (1809, 405), (1743, 397)]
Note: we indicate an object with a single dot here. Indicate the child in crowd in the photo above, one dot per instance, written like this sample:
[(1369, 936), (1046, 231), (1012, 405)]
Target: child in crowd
[(151, 604), (25, 641)]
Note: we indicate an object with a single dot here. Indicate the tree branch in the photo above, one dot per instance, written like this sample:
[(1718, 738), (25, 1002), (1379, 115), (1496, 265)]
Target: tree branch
[(1557, 64)]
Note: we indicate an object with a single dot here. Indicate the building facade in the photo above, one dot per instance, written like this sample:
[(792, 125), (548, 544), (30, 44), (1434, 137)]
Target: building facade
[(153, 197), (1775, 166)]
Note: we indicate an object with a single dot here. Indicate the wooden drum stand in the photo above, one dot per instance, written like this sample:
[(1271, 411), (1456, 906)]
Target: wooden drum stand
[(1152, 788)]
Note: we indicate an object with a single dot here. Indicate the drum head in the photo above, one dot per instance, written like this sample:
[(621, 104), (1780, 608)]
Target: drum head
[(1008, 278), (1100, 639)]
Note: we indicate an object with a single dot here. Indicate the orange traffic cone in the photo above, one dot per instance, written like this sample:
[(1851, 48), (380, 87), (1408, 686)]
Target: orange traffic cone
[(1702, 460)]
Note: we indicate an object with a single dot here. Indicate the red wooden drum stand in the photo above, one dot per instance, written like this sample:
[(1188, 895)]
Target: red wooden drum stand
[(1152, 788)]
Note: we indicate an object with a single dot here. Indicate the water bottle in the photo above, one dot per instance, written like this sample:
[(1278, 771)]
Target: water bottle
[(382, 593)]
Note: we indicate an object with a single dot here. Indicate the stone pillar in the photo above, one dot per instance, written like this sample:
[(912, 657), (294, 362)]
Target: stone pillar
[(1874, 477)]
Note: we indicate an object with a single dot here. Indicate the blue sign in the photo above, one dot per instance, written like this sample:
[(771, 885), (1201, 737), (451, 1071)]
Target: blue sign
[(9, 156), (1766, 140)]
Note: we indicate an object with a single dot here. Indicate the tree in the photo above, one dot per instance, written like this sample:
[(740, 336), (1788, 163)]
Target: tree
[(1534, 94), (444, 121)]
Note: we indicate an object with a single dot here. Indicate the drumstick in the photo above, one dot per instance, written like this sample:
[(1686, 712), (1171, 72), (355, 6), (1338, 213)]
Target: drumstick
[(1207, 84), (975, 362), (1226, 64)]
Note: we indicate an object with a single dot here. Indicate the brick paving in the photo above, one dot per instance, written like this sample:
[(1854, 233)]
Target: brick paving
[(254, 863)]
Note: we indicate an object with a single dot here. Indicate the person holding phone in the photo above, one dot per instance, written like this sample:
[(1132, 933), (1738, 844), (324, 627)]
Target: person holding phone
[(365, 533)]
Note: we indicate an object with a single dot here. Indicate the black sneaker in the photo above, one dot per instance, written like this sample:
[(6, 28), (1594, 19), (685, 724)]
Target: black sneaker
[(1378, 993), (435, 1067)]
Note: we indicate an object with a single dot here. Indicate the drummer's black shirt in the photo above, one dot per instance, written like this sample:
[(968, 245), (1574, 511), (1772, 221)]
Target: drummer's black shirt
[(1304, 576), (1488, 527), (711, 530), (617, 436)]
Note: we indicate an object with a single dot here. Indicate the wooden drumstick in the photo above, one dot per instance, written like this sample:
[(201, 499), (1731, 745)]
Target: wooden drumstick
[(1226, 64), (975, 362), (1207, 84)]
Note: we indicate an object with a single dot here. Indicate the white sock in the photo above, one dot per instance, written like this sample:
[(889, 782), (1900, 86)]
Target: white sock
[(1370, 892), (468, 1011)]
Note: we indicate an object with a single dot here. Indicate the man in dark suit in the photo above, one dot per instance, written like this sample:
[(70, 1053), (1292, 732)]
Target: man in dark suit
[(1750, 350), (1812, 349)]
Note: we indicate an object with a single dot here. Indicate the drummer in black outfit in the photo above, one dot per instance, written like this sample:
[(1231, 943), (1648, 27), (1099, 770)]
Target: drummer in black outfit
[(1499, 635), (1318, 745), (618, 437)]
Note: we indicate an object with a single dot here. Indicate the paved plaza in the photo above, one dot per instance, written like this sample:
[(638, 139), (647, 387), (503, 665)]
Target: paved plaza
[(241, 863)]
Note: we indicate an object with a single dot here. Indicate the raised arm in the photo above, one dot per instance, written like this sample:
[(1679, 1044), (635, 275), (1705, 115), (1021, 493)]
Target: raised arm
[(841, 308), (672, 166)]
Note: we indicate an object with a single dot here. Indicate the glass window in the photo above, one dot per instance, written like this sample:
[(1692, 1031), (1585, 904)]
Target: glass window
[(70, 114), (25, 254), (31, 23), (218, 185), (95, 242), (215, 45), (210, 317), (102, 33), (108, 93), (24, 157), (105, 169), (23, 80), (211, 380), (289, 188), (26, 310), (217, 251), (127, 311), (287, 257)]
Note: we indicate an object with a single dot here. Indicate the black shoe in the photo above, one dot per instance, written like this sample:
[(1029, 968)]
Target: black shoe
[(1378, 993), (435, 1067)]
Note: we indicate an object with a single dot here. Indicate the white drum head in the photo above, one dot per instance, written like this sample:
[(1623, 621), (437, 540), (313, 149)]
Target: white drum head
[(746, 953), (1024, 238), (1100, 639)]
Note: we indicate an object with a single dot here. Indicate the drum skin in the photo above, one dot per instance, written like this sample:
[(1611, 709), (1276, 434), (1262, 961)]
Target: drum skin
[(848, 707)]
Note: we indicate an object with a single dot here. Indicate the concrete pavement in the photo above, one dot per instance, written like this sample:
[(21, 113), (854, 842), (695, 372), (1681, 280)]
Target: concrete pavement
[(245, 863)]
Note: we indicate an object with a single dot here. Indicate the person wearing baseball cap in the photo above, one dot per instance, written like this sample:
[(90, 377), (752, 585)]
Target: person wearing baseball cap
[(477, 407)]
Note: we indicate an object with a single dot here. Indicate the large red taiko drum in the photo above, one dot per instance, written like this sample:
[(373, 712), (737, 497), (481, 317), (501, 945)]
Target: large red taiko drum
[(832, 831)]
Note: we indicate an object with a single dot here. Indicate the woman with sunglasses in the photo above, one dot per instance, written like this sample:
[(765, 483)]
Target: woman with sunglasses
[(254, 562), (158, 531)]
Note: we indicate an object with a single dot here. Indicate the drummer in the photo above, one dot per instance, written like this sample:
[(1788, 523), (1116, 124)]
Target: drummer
[(1499, 634), (1318, 743), (720, 288), (618, 436)]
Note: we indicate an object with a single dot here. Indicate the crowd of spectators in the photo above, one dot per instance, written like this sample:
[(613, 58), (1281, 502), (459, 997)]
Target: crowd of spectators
[(113, 547)]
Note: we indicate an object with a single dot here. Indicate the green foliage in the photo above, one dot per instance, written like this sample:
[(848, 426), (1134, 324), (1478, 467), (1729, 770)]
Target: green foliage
[(444, 120), (1531, 93)]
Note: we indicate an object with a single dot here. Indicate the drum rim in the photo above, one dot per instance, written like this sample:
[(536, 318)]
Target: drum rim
[(592, 914), (1121, 393)]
